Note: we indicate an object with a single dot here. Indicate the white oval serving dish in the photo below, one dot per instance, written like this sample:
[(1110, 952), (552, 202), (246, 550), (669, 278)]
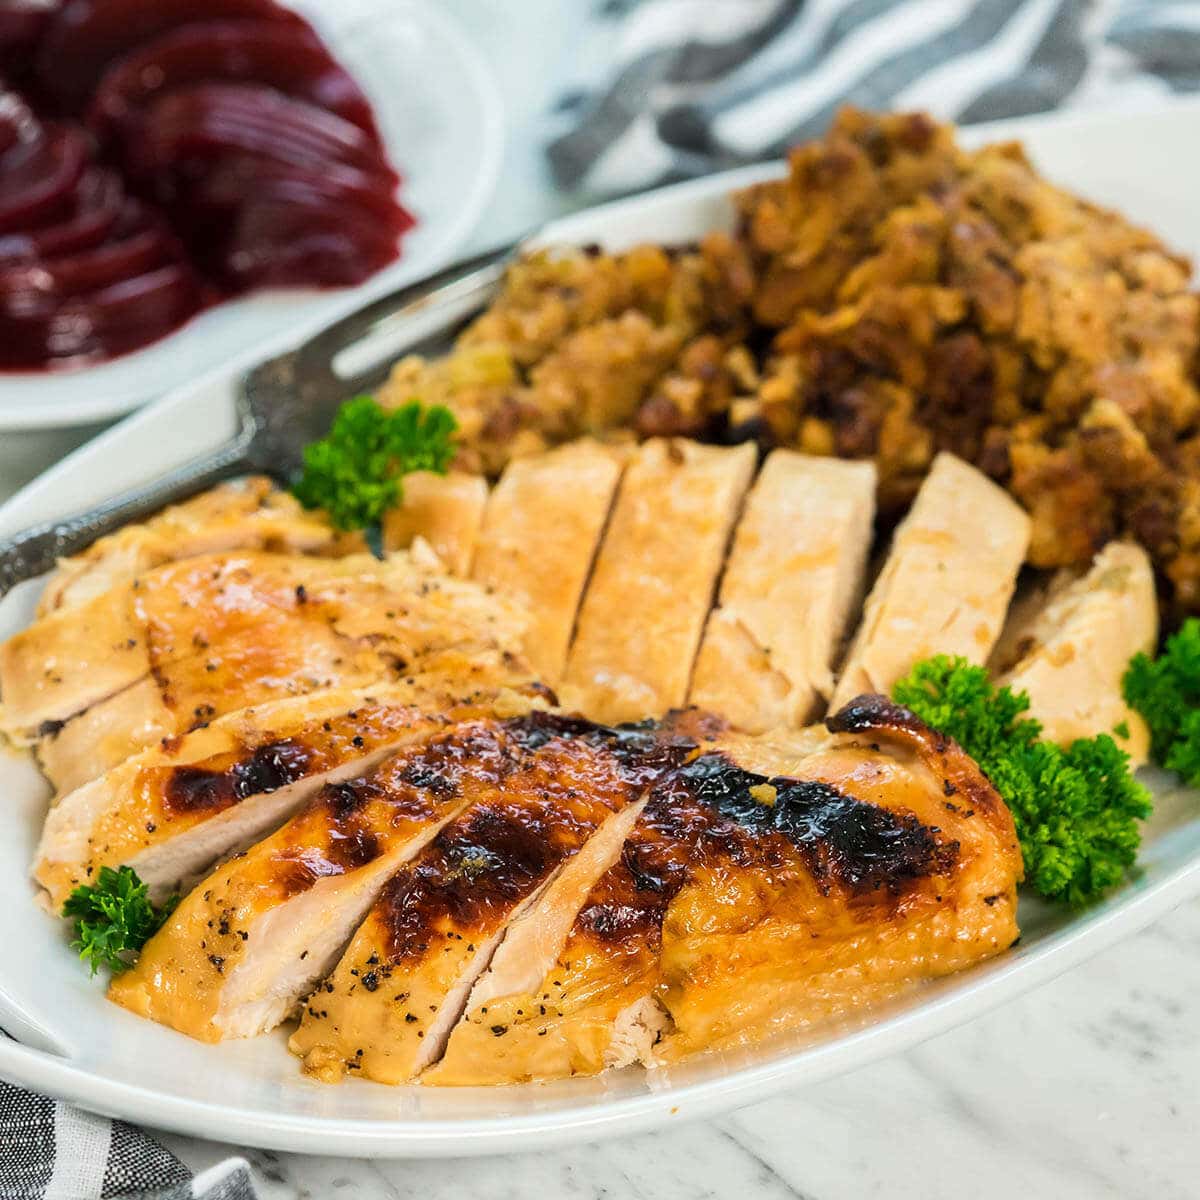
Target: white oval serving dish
[(79, 1047)]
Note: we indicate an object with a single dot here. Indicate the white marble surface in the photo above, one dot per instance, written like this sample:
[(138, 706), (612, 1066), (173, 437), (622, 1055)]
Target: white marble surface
[(1086, 1089)]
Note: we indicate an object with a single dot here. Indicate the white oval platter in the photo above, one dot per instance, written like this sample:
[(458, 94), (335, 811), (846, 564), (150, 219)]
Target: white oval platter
[(74, 1045)]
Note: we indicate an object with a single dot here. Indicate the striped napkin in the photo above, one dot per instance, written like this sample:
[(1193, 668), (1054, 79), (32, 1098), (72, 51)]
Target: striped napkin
[(663, 90), (667, 89), (53, 1151)]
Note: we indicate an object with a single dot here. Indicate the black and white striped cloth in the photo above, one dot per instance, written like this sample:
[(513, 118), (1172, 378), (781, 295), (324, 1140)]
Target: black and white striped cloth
[(53, 1151), (667, 89)]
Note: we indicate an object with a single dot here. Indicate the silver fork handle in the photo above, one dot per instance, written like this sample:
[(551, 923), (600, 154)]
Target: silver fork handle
[(456, 291), (34, 551)]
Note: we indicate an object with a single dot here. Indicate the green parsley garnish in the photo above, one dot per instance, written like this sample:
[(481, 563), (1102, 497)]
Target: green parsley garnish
[(114, 917), (1075, 809), (355, 473), (1166, 691)]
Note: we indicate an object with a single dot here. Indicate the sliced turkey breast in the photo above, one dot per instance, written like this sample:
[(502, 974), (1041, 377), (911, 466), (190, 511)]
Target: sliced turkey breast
[(67, 661), (531, 944), (793, 576), (540, 532), (914, 879), (249, 943), (107, 734), (745, 902), (245, 514), (654, 578), (1032, 595), (1070, 656), (398, 990), (225, 623), (445, 510), (252, 630), (947, 581), (171, 811), (247, 668)]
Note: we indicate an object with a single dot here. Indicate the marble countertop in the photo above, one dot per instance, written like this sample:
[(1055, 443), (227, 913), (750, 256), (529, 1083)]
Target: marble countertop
[(1088, 1088)]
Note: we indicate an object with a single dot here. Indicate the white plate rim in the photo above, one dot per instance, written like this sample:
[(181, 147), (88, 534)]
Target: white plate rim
[(1002, 979), (489, 107)]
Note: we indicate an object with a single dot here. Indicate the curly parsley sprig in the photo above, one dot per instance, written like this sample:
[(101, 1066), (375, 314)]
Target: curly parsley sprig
[(355, 473), (114, 918), (1166, 691), (1075, 809)]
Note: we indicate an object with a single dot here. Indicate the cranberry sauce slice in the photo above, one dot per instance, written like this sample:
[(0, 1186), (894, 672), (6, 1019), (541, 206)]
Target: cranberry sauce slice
[(89, 270), (291, 60), (101, 324), (94, 211), (17, 121), (295, 240), (85, 36), (38, 177), (210, 120), (236, 179), (224, 149)]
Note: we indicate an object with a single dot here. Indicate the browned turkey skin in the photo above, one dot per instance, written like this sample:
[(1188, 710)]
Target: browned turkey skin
[(738, 903), (387, 1008)]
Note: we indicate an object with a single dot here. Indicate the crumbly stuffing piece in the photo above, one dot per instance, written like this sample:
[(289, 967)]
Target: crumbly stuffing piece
[(580, 342), (929, 297), (894, 295)]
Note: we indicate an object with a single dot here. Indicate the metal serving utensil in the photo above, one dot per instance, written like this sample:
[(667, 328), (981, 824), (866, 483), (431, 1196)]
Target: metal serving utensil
[(282, 405)]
